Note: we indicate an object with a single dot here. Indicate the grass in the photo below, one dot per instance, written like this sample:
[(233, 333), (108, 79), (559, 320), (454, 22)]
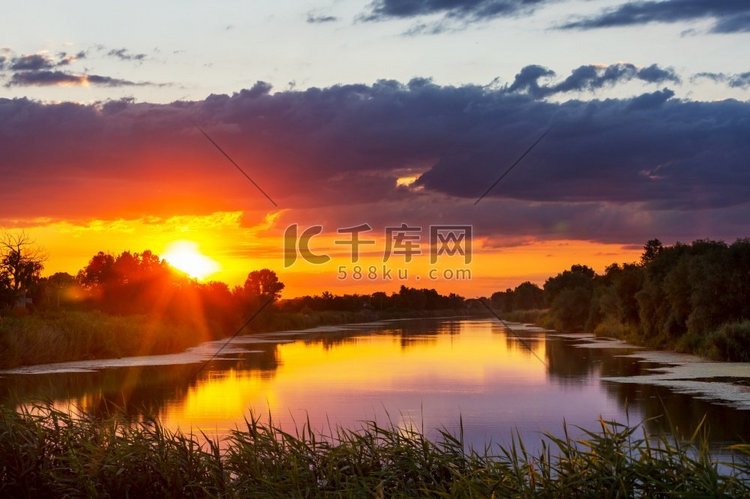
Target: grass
[(67, 335), (531, 316), (48, 453), (81, 335)]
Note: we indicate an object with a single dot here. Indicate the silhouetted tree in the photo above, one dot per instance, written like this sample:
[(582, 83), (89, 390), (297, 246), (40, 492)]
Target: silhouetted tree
[(651, 250), (98, 271), (528, 295), (263, 284), (20, 268)]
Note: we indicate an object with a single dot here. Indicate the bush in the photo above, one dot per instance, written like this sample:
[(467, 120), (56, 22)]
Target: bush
[(612, 328), (730, 342)]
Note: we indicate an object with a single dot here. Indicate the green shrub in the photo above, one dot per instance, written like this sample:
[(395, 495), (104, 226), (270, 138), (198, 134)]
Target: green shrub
[(730, 342), (613, 328)]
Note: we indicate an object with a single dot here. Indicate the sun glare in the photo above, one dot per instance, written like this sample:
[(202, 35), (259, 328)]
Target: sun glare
[(185, 256)]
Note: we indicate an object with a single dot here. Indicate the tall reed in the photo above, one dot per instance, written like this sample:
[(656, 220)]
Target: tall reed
[(49, 453)]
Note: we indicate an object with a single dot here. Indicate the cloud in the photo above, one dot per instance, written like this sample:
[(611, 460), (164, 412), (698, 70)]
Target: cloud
[(616, 170), (313, 18), (656, 74), (528, 79), (125, 55), (649, 101), (729, 16), (468, 9), (32, 62), (456, 14), (738, 80), (44, 69), (37, 62), (53, 78), (587, 78)]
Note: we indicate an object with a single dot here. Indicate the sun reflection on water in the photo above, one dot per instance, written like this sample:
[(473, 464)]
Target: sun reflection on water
[(353, 378)]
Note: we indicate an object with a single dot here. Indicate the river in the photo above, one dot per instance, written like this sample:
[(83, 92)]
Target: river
[(433, 373)]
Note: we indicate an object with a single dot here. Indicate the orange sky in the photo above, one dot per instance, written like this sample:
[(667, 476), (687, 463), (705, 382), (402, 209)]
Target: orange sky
[(238, 248)]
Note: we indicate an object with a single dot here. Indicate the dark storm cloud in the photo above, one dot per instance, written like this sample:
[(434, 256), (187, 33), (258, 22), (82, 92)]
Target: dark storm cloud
[(587, 78), (51, 78), (615, 169), (729, 16)]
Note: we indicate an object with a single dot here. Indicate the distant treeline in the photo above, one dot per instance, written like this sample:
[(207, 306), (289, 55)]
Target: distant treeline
[(692, 297), (405, 299), (143, 283)]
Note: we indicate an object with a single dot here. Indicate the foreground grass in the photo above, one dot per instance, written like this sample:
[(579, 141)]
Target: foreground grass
[(47, 453)]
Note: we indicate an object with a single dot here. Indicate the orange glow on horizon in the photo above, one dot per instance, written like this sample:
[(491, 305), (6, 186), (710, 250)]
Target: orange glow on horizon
[(237, 246)]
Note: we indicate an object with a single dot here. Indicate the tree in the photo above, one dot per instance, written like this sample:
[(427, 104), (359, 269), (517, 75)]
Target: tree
[(651, 250), (20, 268), (98, 271), (569, 294), (263, 284), (528, 295), (579, 276)]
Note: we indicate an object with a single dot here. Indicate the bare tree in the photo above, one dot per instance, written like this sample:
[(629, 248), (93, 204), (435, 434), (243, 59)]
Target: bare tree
[(21, 265)]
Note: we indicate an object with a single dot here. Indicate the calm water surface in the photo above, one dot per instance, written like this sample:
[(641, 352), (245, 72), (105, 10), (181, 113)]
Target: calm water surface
[(429, 372)]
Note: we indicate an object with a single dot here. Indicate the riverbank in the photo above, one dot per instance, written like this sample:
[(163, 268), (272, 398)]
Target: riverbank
[(73, 335), (729, 342), (48, 453)]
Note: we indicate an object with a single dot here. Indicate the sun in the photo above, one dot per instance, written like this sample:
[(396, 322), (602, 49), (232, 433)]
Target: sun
[(185, 256)]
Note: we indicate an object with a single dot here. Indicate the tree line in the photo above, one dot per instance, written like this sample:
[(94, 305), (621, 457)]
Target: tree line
[(405, 299), (144, 283), (126, 283), (692, 297)]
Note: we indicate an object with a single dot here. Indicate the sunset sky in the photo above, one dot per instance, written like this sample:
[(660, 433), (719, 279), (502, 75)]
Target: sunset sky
[(380, 112)]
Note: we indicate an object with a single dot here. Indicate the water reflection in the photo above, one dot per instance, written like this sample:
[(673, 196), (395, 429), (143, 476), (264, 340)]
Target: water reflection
[(430, 372)]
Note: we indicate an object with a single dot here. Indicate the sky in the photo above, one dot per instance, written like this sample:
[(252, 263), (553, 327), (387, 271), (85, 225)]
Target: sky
[(383, 113)]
